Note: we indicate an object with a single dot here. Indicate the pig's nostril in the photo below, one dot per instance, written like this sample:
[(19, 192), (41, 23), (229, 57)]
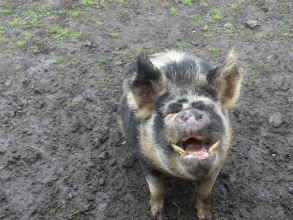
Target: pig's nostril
[(183, 118), (198, 117)]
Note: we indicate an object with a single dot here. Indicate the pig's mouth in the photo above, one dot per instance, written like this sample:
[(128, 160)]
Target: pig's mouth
[(195, 147)]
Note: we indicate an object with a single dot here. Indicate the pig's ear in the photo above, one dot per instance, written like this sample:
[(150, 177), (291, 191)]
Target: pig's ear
[(148, 85), (227, 80)]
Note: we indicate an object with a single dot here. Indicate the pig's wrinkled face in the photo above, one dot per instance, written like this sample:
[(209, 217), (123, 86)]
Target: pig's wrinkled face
[(192, 125)]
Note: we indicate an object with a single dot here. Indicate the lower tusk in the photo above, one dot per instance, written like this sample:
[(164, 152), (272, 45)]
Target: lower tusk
[(214, 147), (179, 150)]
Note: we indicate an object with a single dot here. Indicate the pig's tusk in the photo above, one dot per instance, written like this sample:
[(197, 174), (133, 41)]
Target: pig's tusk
[(214, 147), (179, 150)]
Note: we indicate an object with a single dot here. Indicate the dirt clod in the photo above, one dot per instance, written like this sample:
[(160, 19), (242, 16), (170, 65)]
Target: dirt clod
[(252, 24), (276, 120)]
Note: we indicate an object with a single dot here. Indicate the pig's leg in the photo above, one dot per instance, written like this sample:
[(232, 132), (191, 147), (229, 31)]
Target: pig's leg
[(203, 200), (157, 190), (156, 186)]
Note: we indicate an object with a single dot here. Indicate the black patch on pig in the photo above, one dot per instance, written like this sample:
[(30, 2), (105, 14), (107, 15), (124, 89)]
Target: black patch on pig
[(159, 134), (174, 107), (146, 72)]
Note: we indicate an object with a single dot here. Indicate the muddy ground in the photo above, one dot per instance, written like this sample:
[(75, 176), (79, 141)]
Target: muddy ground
[(61, 67)]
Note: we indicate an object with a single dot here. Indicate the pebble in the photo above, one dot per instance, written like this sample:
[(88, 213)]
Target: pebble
[(275, 120), (251, 24), (228, 26), (112, 163), (102, 181), (290, 189), (103, 155), (269, 58), (7, 83), (77, 99)]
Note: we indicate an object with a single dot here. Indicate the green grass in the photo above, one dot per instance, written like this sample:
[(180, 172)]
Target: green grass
[(173, 11), (35, 21), (3, 37), (28, 19), (251, 76), (113, 34), (86, 2), (62, 33), (102, 61), (28, 35), (6, 11), (66, 61), (216, 13), (75, 13), (187, 2), (109, 78), (103, 3), (234, 5), (229, 31), (59, 59), (120, 2), (204, 3), (118, 63), (17, 67), (8, 53), (35, 49), (32, 18), (98, 23), (21, 44), (185, 45), (215, 50), (139, 51), (195, 17), (16, 22), (286, 32), (124, 56)]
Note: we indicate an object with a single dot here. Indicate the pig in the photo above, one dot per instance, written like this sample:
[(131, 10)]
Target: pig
[(175, 117)]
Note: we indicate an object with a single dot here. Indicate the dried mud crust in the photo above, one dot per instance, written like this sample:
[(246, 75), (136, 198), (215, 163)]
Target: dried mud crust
[(61, 67)]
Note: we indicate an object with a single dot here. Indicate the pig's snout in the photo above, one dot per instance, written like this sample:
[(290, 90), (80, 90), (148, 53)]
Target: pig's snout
[(192, 120)]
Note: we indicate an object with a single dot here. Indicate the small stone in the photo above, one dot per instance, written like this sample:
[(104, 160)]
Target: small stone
[(269, 58), (273, 155), (103, 155), (251, 24), (228, 26), (77, 99), (87, 44), (8, 83), (112, 163), (275, 120), (102, 182), (50, 183), (290, 189), (69, 196)]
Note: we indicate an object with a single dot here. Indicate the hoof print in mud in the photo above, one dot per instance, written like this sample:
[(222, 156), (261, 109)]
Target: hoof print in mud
[(174, 115)]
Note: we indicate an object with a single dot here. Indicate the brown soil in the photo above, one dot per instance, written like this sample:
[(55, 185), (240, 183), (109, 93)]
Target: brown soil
[(61, 156)]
